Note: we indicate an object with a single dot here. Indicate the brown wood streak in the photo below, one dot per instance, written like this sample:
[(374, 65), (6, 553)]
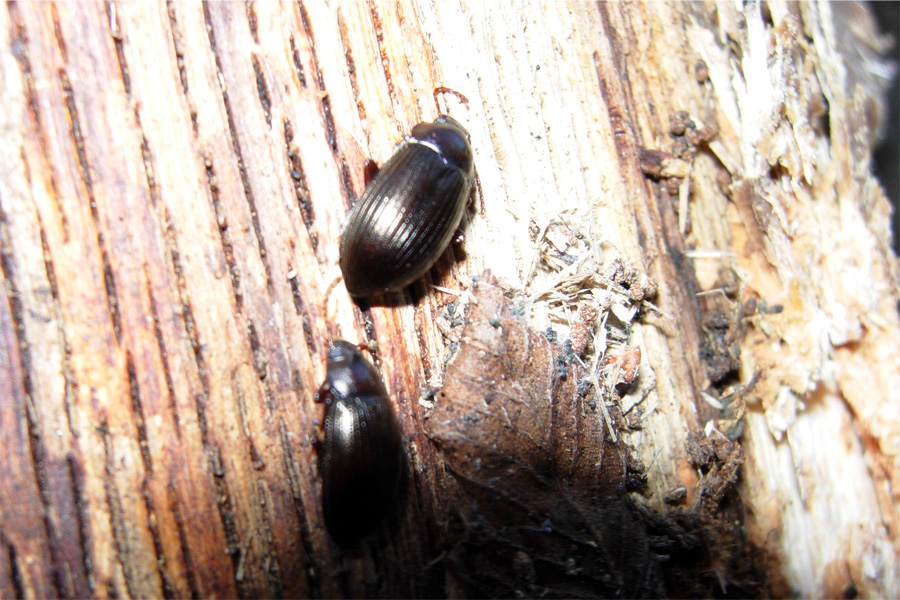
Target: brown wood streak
[(382, 52), (307, 211), (262, 89), (77, 139), (330, 131), (10, 578), (228, 501), (656, 225), (351, 66), (272, 365), (87, 477), (119, 423), (172, 585), (23, 57), (59, 491), (236, 146), (272, 372), (234, 272), (164, 364), (24, 531), (196, 560)]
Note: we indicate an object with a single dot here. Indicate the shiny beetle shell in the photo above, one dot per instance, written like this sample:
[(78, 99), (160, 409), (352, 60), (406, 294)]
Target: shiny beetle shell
[(409, 213), (361, 455)]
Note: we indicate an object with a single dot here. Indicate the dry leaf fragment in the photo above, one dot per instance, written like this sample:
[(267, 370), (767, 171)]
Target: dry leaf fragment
[(541, 503)]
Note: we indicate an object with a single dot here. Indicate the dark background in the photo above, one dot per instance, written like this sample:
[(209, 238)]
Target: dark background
[(887, 155)]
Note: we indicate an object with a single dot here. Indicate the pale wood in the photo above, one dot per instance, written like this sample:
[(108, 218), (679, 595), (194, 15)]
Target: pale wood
[(171, 284)]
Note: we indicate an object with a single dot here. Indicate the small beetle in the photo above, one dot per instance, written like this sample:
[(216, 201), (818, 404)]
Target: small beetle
[(409, 213), (361, 456)]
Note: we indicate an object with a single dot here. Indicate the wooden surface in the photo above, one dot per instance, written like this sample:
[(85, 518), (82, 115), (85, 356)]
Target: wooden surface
[(173, 184)]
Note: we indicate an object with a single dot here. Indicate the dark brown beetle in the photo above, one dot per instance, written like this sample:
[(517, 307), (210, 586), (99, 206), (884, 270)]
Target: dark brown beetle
[(361, 456), (409, 213)]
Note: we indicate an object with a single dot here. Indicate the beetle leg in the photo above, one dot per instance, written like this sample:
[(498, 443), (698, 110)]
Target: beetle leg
[(324, 394), (370, 170)]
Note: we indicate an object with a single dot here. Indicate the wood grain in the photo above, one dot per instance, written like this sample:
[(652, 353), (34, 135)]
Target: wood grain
[(173, 185)]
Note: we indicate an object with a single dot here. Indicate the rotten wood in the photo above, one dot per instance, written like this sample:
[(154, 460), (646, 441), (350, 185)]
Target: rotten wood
[(682, 190)]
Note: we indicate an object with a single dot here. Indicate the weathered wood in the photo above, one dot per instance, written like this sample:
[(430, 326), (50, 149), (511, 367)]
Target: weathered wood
[(174, 180)]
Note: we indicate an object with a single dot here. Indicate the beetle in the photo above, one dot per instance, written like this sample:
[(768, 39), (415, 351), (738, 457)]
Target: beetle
[(410, 211), (361, 456)]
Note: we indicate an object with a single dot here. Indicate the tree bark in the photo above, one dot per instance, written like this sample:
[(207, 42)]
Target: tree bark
[(174, 181)]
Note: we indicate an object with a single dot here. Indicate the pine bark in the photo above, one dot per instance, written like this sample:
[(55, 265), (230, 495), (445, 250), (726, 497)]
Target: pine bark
[(174, 180)]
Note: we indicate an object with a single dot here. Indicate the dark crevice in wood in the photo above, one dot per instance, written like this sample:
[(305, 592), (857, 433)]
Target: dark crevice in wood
[(239, 395), (111, 295), (193, 335), (351, 68), (365, 319), (330, 134), (224, 234), (330, 130), (622, 134), (263, 90), (77, 139), (295, 293), (419, 492), (259, 464), (300, 307), (251, 20), (186, 311), (14, 298), (81, 519), (146, 156), (152, 522), (618, 41), (236, 148), (68, 375), (382, 52), (195, 126), (480, 196), (424, 356), (259, 355), (182, 540), (164, 359), (297, 382), (290, 468), (226, 514), (57, 34), (271, 403), (347, 184), (179, 52), (116, 514), (14, 569), (271, 563), (149, 164), (311, 344), (298, 66), (21, 52), (298, 177), (75, 130), (117, 37), (22, 352), (134, 391), (202, 423)]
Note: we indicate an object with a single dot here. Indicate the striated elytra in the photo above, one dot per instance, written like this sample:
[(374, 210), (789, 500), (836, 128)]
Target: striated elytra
[(361, 456), (409, 213)]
